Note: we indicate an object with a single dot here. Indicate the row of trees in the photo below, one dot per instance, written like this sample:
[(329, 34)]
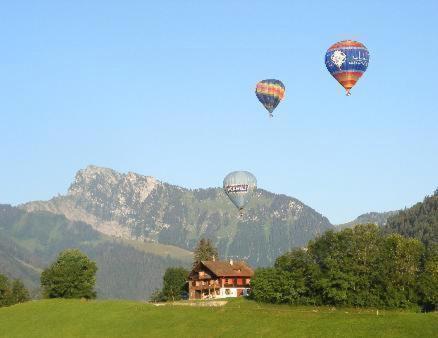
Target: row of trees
[(73, 275), (355, 267), (12, 292)]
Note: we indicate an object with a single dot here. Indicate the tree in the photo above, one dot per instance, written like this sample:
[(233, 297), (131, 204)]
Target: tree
[(72, 275), (303, 270), (205, 251), (19, 294), (174, 281), (12, 293), (276, 286), (5, 291), (428, 280), (400, 263)]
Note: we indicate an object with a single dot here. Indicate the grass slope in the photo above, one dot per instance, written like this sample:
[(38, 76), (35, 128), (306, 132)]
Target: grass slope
[(240, 318)]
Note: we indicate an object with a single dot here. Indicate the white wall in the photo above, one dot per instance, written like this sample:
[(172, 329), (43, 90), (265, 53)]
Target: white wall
[(232, 292)]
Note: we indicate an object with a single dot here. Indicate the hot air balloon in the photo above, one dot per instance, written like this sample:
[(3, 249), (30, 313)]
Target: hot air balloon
[(239, 187), (270, 92), (347, 61)]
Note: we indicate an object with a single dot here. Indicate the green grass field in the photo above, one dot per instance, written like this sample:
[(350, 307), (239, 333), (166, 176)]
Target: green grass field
[(239, 318)]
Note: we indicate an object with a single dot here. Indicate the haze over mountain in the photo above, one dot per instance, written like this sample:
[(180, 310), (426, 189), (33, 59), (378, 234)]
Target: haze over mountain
[(136, 207), (30, 241), (135, 227)]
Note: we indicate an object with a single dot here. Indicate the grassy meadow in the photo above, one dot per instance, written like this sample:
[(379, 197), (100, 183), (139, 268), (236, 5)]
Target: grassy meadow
[(238, 318)]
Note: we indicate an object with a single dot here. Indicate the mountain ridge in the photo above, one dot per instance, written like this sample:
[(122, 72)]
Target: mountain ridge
[(30, 241), (137, 207), (374, 217)]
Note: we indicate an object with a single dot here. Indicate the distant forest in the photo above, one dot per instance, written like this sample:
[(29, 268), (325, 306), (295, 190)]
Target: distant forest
[(420, 221)]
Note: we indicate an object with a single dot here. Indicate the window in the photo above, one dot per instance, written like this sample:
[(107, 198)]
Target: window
[(227, 292)]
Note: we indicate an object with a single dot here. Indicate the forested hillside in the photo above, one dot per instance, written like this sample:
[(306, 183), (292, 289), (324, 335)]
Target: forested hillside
[(377, 218), (30, 241), (139, 207), (420, 221)]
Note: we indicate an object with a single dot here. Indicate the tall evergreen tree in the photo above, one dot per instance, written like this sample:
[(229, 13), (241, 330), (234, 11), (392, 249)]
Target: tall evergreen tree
[(205, 251)]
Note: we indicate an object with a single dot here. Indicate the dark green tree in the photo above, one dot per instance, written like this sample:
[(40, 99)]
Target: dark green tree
[(72, 275), (304, 271), (205, 251), (5, 291), (400, 264), (174, 283), (277, 286), (428, 280), (19, 294)]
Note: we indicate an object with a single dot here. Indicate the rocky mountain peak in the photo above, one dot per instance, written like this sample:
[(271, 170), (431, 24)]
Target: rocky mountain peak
[(98, 181), (138, 207)]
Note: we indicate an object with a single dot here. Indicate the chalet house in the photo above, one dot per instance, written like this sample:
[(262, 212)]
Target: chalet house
[(219, 279)]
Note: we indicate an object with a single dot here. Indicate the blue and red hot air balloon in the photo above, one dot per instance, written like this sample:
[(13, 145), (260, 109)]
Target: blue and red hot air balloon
[(347, 61), (270, 92)]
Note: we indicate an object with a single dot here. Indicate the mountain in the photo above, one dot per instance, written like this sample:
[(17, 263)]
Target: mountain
[(30, 241), (135, 207), (419, 221), (378, 218)]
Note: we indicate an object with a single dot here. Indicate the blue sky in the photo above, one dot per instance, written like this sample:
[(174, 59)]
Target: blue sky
[(166, 89)]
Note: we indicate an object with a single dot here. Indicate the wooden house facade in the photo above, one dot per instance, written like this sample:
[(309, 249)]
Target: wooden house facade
[(219, 279)]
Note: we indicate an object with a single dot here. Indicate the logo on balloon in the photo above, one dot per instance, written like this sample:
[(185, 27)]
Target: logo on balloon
[(338, 58), (237, 188)]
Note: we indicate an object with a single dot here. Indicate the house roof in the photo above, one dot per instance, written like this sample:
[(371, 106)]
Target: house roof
[(225, 269)]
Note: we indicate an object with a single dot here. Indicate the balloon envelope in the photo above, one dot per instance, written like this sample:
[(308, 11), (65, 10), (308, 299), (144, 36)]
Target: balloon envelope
[(270, 92), (347, 61), (239, 187)]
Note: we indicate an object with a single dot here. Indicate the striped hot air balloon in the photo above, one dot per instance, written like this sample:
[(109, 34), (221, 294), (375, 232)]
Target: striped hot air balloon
[(270, 92), (347, 61)]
